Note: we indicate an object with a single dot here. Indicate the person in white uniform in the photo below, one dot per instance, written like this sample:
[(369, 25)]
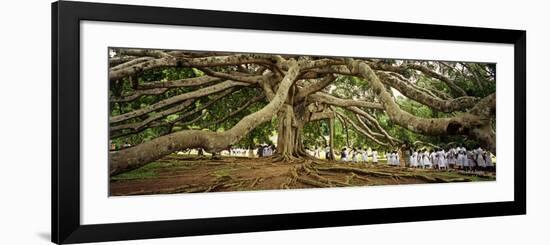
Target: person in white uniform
[(268, 152), (420, 162), (317, 153), (364, 155), (461, 159), (414, 159), (354, 154), (426, 163), (479, 157), (344, 155), (374, 157), (425, 158), (396, 158), (390, 158), (435, 158), (471, 161), (327, 153), (451, 157), (489, 162), (440, 159)]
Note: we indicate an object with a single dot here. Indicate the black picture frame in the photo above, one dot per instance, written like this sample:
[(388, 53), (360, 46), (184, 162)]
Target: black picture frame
[(66, 17)]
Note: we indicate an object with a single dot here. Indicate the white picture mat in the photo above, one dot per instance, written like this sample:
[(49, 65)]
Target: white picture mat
[(97, 207)]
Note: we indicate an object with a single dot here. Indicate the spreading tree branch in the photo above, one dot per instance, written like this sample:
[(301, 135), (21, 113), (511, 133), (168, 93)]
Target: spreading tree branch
[(176, 99), (133, 157)]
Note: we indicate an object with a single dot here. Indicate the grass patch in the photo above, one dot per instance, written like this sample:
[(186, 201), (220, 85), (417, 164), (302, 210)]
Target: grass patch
[(221, 173), (456, 175), (145, 172)]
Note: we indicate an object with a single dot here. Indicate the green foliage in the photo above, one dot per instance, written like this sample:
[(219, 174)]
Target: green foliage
[(475, 79), (315, 134), (467, 76), (260, 135), (145, 172)]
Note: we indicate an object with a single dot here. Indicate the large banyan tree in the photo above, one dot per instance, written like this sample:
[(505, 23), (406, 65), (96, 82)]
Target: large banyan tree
[(214, 100)]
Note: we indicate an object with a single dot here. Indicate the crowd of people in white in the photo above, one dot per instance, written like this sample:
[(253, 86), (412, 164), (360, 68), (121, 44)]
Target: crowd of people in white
[(453, 158)]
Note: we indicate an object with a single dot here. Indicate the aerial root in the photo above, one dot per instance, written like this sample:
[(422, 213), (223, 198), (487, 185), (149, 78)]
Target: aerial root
[(396, 177), (255, 181), (286, 184), (360, 177), (355, 170), (290, 180), (285, 157), (315, 174), (295, 176), (313, 182)]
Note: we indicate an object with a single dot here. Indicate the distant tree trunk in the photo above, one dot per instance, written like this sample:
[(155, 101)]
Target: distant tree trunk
[(405, 153), (331, 137), (347, 133)]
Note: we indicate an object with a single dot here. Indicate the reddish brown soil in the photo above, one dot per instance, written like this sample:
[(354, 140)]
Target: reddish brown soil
[(187, 174)]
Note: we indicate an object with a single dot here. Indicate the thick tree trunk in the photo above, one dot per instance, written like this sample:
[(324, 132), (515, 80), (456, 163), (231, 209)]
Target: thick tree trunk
[(486, 137), (289, 140), (347, 133), (285, 134)]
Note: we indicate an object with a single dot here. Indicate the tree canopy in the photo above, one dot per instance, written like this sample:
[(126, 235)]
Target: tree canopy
[(162, 101)]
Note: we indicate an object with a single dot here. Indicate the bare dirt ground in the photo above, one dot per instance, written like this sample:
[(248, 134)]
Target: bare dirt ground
[(191, 174)]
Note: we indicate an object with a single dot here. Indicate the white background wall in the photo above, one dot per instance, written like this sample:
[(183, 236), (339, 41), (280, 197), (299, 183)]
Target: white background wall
[(25, 121)]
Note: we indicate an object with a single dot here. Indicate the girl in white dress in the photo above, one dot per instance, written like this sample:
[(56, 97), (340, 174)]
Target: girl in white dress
[(426, 163), (433, 159), (458, 162), (364, 155), (374, 157), (479, 157), (414, 159), (460, 159), (267, 151), (344, 155), (489, 162), (441, 160), (419, 163), (317, 153), (468, 160), (393, 158), (419, 160), (354, 155), (451, 158)]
